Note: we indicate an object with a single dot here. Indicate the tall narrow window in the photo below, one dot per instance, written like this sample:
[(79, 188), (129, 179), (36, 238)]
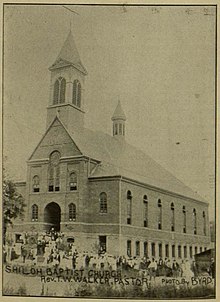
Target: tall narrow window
[(153, 249), (129, 206), (185, 251), (194, 222), (103, 202), (196, 250), (160, 250), (204, 223), (159, 214), (137, 248), (129, 248), (73, 181), (184, 219), (34, 213), (36, 184), (179, 251), (56, 92), (72, 212), (102, 243), (62, 90), (167, 250), (59, 91), (172, 218), (76, 97), (120, 129), (190, 252), (145, 249), (173, 251), (145, 201), (54, 172)]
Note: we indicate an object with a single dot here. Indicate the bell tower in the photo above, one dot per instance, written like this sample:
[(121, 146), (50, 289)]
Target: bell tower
[(119, 119), (67, 87)]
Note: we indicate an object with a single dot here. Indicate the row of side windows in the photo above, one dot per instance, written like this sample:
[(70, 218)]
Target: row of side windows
[(59, 92), (71, 212), (160, 250), (159, 215)]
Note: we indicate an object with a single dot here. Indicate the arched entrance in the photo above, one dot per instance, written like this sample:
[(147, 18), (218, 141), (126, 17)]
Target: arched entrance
[(52, 214)]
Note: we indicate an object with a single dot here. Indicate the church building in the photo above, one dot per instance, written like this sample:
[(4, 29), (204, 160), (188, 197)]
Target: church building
[(100, 191)]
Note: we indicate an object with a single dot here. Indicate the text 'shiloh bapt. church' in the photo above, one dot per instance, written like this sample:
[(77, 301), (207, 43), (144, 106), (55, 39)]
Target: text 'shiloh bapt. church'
[(99, 190)]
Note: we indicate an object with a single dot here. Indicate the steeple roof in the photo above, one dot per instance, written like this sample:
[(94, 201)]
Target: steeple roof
[(69, 56), (119, 113)]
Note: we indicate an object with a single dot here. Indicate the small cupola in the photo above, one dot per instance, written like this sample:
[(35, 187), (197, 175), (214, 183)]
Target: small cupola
[(119, 119)]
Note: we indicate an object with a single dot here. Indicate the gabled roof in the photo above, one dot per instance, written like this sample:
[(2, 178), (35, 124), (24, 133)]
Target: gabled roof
[(69, 56), (120, 158), (119, 113)]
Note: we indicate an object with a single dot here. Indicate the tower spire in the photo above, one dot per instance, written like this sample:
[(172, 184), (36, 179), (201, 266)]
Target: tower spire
[(119, 119)]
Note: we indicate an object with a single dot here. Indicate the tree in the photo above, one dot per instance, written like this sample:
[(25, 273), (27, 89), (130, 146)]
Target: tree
[(13, 204)]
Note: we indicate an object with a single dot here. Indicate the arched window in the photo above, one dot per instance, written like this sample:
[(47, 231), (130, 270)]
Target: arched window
[(36, 184), (56, 92), (194, 222), (172, 217), (34, 212), (62, 90), (103, 202), (204, 223), (73, 181), (54, 172), (184, 219), (72, 212), (145, 201), (76, 97), (129, 206), (59, 91), (159, 214)]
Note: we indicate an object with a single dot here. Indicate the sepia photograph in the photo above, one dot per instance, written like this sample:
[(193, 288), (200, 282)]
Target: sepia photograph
[(109, 151)]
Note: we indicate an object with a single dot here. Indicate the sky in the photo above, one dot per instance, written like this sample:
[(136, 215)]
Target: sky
[(158, 60)]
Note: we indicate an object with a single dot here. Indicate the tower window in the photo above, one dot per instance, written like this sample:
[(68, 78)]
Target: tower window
[(172, 217), (159, 214), (54, 172), (145, 210), (76, 97), (59, 91), (34, 213), (36, 184), (190, 252), (103, 202), (185, 251), (72, 212), (73, 181)]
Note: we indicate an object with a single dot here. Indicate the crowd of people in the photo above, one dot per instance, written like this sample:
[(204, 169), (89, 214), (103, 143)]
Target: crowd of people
[(53, 250)]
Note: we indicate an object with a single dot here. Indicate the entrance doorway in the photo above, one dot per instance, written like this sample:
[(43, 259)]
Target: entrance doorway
[(52, 214)]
